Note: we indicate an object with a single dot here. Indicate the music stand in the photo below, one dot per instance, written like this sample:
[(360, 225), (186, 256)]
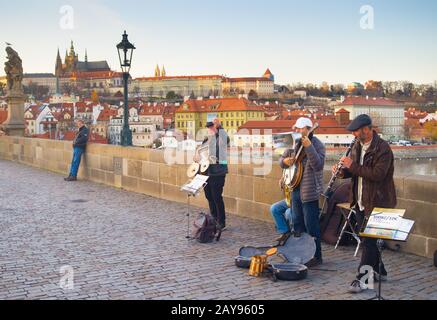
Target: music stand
[(386, 224), (192, 188)]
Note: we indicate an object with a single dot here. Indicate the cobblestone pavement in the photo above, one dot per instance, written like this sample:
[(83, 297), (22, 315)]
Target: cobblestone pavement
[(123, 245)]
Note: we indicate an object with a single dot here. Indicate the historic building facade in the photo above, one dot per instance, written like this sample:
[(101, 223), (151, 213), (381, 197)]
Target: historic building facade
[(201, 86), (387, 115), (193, 115), (264, 85)]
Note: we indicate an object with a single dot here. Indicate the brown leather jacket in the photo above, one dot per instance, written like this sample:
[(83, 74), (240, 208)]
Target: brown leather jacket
[(377, 172)]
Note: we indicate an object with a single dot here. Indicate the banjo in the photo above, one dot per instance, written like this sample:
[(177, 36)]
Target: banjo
[(292, 177)]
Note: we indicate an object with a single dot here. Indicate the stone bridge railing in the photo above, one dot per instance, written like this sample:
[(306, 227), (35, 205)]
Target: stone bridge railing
[(145, 171)]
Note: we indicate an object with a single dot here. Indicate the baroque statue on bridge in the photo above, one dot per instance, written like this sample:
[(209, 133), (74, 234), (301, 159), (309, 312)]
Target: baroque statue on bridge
[(14, 124), (14, 71)]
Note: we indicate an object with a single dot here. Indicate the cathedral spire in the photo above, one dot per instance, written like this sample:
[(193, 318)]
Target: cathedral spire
[(72, 53), (58, 68), (86, 56), (163, 72), (157, 71)]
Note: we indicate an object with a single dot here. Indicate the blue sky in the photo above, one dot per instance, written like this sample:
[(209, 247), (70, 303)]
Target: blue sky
[(300, 41)]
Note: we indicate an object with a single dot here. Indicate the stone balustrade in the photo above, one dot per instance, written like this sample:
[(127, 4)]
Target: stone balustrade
[(145, 171)]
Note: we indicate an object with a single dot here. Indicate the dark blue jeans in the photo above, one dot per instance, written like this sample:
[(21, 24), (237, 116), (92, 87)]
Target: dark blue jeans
[(305, 217), (75, 163), (214, 195), (281, 213)]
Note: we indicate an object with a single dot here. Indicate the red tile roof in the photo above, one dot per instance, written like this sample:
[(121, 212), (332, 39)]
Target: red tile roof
[(342, 111), (90, 75), (363, 101), (34, 110), (106, 114), (219, 105)]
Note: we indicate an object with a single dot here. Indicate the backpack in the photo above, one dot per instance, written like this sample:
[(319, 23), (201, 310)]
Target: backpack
[(205, 229)]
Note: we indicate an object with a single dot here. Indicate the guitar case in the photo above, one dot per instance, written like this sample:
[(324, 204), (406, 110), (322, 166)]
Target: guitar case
[(295, 250)]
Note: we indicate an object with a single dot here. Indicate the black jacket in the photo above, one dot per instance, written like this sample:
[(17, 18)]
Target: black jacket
[(81, 138)]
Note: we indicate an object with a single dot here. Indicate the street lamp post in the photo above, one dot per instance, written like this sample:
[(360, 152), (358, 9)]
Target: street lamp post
[(125, 52)]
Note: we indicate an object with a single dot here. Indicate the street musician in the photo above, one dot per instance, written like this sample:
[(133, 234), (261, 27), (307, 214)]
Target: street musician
[(371, 167)]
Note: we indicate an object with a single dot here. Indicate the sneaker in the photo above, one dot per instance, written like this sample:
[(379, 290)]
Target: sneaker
[(71, 179), (314, 262), (357, 286), (284, 237)]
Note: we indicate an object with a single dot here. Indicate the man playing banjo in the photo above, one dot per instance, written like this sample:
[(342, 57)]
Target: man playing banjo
[(305, 198)]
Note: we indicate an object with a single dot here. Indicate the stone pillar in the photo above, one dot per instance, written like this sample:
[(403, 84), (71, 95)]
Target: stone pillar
[(14, 124)]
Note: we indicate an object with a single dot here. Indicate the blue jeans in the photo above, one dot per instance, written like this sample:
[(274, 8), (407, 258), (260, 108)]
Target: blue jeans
[(282, 216), (305, 218), (75, 163)]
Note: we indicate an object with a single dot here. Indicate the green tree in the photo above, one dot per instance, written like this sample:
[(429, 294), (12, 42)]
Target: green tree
[(253, 94), (39, 92), (171, 95)]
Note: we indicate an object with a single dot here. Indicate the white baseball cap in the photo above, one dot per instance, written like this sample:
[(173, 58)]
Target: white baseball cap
[(303, 123)]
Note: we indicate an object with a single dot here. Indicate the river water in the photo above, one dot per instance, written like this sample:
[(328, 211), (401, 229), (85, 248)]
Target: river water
[(426, 167)]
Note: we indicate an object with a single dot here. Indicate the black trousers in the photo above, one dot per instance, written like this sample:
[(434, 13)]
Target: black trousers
[(370, 255), (214, 195)]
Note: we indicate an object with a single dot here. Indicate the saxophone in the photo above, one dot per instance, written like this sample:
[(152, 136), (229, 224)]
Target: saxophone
[(287, 191)]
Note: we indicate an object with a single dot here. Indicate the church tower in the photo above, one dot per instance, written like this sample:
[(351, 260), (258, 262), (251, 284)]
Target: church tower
[(269, 75), (157, 72), (58, 68), (71, 60), (163, 72)]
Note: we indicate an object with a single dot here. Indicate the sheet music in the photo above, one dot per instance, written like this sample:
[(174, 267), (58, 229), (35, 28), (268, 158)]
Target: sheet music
[(388, 224), (196, 184)]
